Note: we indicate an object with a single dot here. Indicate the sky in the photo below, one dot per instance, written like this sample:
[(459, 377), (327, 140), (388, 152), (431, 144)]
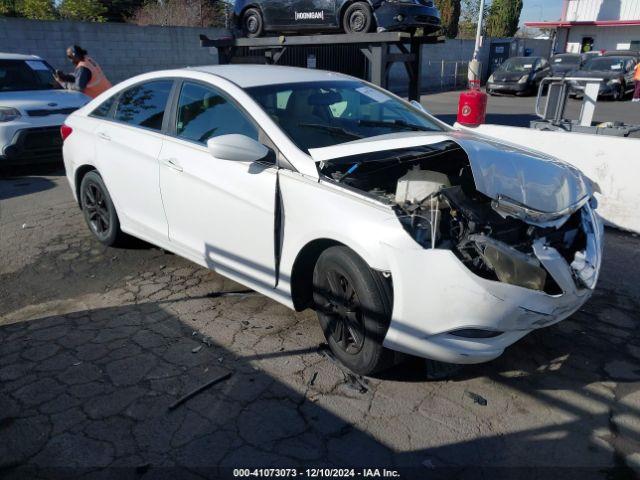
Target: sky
[(536, 10)]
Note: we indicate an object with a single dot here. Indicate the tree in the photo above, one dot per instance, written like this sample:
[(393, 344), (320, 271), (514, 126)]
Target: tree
[(504, 17), (469, 18), (121, 10), (182, 13), (37, 9), (450, 14), (82, 10), (9, 8)]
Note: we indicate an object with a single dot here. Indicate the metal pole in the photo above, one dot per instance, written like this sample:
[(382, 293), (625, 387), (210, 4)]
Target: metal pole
[(476, 51), (474, 65)]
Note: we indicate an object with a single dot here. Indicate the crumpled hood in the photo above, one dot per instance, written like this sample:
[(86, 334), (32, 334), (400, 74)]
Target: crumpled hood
[(532, 179), (43, 99)]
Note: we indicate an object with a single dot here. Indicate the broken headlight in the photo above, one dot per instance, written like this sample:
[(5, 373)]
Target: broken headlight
[(510, 265)]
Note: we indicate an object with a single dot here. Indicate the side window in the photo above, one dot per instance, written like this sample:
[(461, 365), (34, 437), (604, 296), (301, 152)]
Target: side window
[(144, 105), (204, 113), (105, 107)]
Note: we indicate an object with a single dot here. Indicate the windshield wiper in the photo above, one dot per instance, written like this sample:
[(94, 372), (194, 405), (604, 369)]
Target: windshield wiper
[(332, 129), (393, 123)]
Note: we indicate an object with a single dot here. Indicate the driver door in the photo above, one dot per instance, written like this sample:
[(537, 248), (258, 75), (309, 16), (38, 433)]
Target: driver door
[(220, 212)]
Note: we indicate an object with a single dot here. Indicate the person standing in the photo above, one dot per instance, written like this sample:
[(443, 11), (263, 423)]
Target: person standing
[(636, 78), (87, 77)]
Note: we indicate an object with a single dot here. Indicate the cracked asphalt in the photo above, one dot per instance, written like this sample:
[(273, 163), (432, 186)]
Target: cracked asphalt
[(97, 343)]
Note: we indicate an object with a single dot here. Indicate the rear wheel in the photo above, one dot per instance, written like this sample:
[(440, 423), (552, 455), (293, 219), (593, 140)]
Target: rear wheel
[(357, 18), (252, 24), (98, 210), (353, 304)]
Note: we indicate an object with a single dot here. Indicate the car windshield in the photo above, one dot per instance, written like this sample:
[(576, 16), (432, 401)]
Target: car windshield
[(518, 65), (23, 75), (321, 114), (566, 60), (615, 64)]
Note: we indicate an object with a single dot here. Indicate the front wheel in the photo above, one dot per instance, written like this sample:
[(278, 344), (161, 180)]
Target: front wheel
[(98, 210), (618, 93), (358, 18), (353, 304)]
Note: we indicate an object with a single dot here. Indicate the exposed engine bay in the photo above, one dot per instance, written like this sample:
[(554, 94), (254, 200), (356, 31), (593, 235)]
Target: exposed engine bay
[(433, 192)]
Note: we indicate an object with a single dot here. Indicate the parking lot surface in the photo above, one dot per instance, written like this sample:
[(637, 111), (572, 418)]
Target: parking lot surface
[(520, 111), (97, 343)]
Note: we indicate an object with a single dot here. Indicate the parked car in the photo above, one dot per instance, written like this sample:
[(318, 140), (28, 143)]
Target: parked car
[(323, 191), (33, 106), (255, 17), (519, 75), (563, 63), (614, 68)]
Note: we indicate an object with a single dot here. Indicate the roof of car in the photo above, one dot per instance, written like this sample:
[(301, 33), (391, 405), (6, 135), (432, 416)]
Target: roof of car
[(17, 56), (247, 76)]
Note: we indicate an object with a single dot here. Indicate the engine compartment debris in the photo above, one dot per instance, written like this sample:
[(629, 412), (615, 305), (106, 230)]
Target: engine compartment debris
[(433, 191)]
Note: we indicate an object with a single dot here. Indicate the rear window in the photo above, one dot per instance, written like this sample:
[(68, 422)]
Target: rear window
[(25, 75), (104, 110), (144, 105)]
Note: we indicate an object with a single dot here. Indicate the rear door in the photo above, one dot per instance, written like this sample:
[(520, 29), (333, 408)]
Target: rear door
[(127, 149), (220, 212)]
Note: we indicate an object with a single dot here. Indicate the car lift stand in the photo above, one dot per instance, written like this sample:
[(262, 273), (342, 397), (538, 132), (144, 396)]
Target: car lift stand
[(376, 47)]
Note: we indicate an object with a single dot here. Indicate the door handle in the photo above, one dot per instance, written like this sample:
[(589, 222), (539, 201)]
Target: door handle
[(104, 136), (173, 164)]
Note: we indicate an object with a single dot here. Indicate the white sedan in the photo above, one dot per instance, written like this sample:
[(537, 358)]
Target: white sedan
[(323, 191)]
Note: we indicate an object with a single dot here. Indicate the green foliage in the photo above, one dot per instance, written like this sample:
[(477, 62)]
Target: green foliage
[(504, 16), (37, 9), (469, 18), (8, 8), (450, 14), (82, 10)]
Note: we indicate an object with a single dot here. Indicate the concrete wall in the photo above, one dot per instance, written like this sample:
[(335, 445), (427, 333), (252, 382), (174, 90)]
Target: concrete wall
[(122, 50)]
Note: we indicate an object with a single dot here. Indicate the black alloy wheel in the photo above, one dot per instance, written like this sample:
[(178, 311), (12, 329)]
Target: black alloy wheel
[(98, 210), (342, 306), (353, 304)]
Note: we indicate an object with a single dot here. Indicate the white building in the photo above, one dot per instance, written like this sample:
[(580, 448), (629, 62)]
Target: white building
[(596, 25)]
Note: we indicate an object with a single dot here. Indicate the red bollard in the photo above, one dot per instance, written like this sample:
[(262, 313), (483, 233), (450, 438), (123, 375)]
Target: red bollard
[(472, 108)]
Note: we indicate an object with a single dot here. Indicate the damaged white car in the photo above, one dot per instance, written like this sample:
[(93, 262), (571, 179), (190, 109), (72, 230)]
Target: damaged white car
[(323, 191)]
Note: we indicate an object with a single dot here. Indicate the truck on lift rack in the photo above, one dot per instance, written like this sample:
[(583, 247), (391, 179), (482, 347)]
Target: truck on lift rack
[(255, 17)]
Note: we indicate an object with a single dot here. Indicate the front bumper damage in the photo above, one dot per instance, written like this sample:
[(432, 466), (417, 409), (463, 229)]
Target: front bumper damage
[(473, 319)]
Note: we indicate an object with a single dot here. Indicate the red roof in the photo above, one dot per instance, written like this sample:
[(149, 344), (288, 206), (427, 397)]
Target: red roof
[(597, 23)]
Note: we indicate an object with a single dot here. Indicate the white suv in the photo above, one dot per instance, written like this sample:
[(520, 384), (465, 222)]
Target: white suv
[(33, 106)]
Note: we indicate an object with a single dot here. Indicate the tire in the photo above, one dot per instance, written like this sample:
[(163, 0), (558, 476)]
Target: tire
[(252, 23), (357, 18), (621, 93), (353, 304), (99, 212)]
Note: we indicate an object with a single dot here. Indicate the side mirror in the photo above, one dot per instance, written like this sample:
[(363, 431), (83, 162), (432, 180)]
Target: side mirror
[(418, 106), (236, 147)]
